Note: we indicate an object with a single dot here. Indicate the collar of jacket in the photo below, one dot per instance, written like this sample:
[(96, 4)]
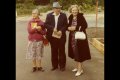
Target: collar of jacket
[(78, 15), (71, 18), (55, 14), (52, 13)]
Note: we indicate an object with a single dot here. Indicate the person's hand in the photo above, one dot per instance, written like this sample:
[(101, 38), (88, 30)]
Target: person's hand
[(59, 33), (33, 27), (55, 30), (39, 28), (71, 28)]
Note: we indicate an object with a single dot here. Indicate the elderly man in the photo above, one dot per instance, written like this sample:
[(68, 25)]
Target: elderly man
[(56, 24)]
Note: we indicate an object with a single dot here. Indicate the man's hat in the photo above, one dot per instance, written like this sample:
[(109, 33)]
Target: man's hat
[(56, 5)]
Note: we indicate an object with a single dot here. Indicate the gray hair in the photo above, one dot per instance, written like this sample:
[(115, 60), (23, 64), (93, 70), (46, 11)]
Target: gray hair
[(36, 11), (72, 6)]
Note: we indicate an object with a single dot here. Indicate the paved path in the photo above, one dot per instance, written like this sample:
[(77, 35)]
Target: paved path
[(93, 69)]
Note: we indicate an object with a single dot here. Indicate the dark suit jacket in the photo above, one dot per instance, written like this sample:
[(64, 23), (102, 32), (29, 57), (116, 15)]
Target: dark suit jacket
[(61, 26)]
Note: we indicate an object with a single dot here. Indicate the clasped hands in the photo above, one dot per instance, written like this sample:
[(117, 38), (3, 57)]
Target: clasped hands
[(39, 28), (71, 28)]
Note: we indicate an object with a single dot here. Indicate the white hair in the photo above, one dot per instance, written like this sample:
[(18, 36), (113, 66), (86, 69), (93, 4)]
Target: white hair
[(73, 6), (35, 11)]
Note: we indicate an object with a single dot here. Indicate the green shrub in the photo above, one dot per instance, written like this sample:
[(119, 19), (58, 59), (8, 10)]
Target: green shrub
[(45, 9), (26, 7), (23, 11)]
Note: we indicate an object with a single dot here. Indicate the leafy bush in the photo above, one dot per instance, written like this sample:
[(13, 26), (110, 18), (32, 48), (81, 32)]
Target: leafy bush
[(23, 9), (26, 6), (45, 8)]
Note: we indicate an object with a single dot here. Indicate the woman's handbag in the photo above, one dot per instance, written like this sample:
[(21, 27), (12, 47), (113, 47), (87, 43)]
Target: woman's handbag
[(45, 41), (80, 35)]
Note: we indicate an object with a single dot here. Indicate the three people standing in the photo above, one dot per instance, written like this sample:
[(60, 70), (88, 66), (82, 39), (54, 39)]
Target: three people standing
[(56, 24)]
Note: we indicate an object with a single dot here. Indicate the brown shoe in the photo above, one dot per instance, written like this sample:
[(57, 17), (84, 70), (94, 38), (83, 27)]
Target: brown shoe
[(41, 69), (62, 69), (34, 69), (54, 69)]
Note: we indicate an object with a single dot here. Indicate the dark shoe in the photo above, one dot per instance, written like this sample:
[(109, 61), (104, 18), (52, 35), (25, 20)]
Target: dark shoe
[(62, 69), (34, 69), (54, 69), (40, 69)]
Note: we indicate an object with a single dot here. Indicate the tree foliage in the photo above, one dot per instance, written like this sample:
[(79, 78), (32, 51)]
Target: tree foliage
[(64, 2)]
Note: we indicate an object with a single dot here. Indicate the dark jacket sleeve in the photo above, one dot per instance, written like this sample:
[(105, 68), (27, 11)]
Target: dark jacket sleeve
[(69, 21), (83, 23), (47, 23), (65, 24)]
